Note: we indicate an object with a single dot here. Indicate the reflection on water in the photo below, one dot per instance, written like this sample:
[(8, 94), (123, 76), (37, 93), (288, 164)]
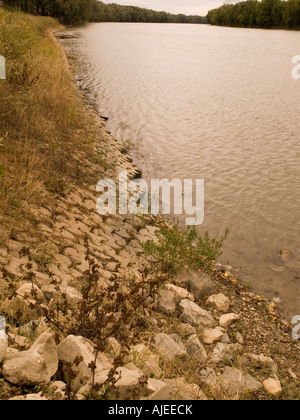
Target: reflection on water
[(212, 103)]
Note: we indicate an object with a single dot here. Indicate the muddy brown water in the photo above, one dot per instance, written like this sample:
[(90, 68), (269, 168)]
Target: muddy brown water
[(220, 104)]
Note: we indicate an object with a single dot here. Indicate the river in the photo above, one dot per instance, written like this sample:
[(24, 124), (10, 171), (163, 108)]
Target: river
[(219, 104)]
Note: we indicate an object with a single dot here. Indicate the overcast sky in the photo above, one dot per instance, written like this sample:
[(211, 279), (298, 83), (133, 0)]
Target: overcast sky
[(188, 7)]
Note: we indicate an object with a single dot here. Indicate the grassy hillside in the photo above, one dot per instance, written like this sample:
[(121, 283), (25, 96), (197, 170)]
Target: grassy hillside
[(40, 122)]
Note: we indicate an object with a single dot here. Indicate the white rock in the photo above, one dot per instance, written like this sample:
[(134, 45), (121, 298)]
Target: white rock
[(219, 302), (29, 397), (261, 361), (113, 348), (227, 319), (34, 366), (73, 296), (145, 360), (166, 302), (240, 338), (225, 339), (208, 377), (3, 345), (185, 330), (164, 393), (30, 292), (272, 386), (129, 381), (100, 378), (236, 382), (73, 348), (225, 352), (195, 349), (60, 389), (194, 315), (168, 348), (181, 390), (155, 385), (210, 335), (180, 292)]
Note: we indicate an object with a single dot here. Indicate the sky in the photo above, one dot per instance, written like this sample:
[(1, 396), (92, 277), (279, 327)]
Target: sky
[(187, 7)]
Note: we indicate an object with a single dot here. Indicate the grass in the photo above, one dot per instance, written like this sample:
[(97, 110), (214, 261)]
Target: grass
[(179, 249), (43, 131)]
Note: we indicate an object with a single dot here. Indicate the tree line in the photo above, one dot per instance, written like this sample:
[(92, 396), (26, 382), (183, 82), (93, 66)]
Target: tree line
[(77, 11), (253, 13)]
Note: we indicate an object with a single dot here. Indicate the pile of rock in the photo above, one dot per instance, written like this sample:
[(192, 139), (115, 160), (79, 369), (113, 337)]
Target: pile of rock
[(206, 338)]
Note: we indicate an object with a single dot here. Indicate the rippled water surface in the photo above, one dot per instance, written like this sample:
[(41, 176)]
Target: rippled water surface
[(214, 103)]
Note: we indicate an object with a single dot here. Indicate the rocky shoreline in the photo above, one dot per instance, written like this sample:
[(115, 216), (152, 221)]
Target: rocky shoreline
[(197, 337)]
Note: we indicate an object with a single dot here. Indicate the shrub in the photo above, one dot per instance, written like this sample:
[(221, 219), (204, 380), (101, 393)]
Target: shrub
[(179, 249)]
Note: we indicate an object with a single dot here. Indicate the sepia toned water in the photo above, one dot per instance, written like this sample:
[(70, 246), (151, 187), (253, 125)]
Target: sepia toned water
[(197, 101)]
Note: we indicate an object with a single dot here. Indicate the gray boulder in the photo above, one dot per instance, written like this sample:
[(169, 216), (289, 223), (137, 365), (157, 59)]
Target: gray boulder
[(80, 353), (34, 366)]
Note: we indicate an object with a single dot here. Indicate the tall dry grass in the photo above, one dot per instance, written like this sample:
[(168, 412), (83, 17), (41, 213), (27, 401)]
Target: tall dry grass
[(41, 122)]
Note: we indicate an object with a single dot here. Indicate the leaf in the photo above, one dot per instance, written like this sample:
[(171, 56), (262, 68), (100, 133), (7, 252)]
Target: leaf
[(1, 170)]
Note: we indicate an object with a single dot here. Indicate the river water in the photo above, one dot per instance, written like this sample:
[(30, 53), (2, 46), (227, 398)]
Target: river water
[(219, 104)]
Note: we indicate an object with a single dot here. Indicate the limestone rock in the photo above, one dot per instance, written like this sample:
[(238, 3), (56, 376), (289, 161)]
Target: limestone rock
[(240, 338), (208, 377), (168, 348), (261, 361), (33, 328), (194, 315), (34, 366), (185, 330), (195, 349), (199, 284), (113, 348), (227, 319), (225, 339), (236, 382), (29, 397), (100, 378), (180, 292), (30, 291), (72, 295), (128, 384), (272, 386), (166, 302), (3, 339), (145, 360), (18, 341), (219, 302), (210, 335), (184, 391), (225, 352), (59, 388), (74, 347), (163, 391)]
